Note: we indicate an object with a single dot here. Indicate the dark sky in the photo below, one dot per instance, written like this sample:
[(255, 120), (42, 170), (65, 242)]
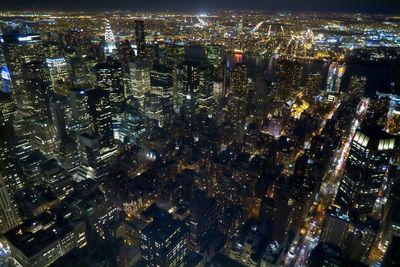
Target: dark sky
[(369, 6)]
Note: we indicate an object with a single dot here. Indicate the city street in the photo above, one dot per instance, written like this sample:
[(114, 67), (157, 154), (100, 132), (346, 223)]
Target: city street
[(307, 238)]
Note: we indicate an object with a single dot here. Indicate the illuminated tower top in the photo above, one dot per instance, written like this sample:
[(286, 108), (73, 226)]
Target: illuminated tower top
[(109, 40)]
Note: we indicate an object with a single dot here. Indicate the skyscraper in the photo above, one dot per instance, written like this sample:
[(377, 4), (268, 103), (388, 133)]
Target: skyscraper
[(38, 87), (59, 74), (139, 83), (101, 112), (8, 143), (163, 242), (337, 227), (109, 40), (18, 50), (110, 78), (9, 216), (366, 169), (161, 82), (357, 86), (61, 115), (93, 163), (140, 39), (82, 121), (238, 82)]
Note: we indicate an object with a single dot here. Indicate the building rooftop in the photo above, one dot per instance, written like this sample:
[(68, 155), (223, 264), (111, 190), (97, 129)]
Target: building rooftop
[(164, 227), (35, 235)]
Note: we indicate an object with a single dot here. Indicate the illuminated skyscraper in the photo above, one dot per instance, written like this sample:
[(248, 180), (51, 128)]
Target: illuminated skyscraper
[(194, 90), (140, 39), (18, 50), (110, 77), (238, 83), (139, 83), (161, 82), (163, 242), (9, 216), (93, 163), (82, 121), (8, 143), (333, 83), (38, 87), (59, 75), (101, 112), (337, 227), (61, 115), (366, 169), (109, 40), (6, 79), (357, 86)]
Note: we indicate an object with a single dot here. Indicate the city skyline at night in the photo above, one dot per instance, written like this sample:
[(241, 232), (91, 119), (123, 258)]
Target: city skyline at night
[(200, 133), (366, 6)]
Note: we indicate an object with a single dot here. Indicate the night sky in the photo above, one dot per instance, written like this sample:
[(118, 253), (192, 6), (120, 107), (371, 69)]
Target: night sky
[(368, 6)]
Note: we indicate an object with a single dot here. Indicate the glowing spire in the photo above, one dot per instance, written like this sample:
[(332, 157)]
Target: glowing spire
[(109, 39)]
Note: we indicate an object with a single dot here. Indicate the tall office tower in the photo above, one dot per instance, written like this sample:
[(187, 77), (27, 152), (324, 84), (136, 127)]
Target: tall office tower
[(174, 53), (38, 85), (194, 90), (163, 242), (312, 86), (238, 83), (110, 77), (366, 169), (377, 112), (187, 83), (82, 71), (9, 216), (8, 142), (140, 39), (238, 79), (101, 112), (126, 53), (161, 82), (334, 80), (287, 81), (68, 155), (393, 116), (56, 179), (337, 227), (18, 50), (93, 163), (357, 86), (215, 54), (59, 75), (81, 119), (204, 98), (109, 40), (139, 77), (132, 126), (61, 115), (153, 109), (262, 89), (7, 108), (5, 82)]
